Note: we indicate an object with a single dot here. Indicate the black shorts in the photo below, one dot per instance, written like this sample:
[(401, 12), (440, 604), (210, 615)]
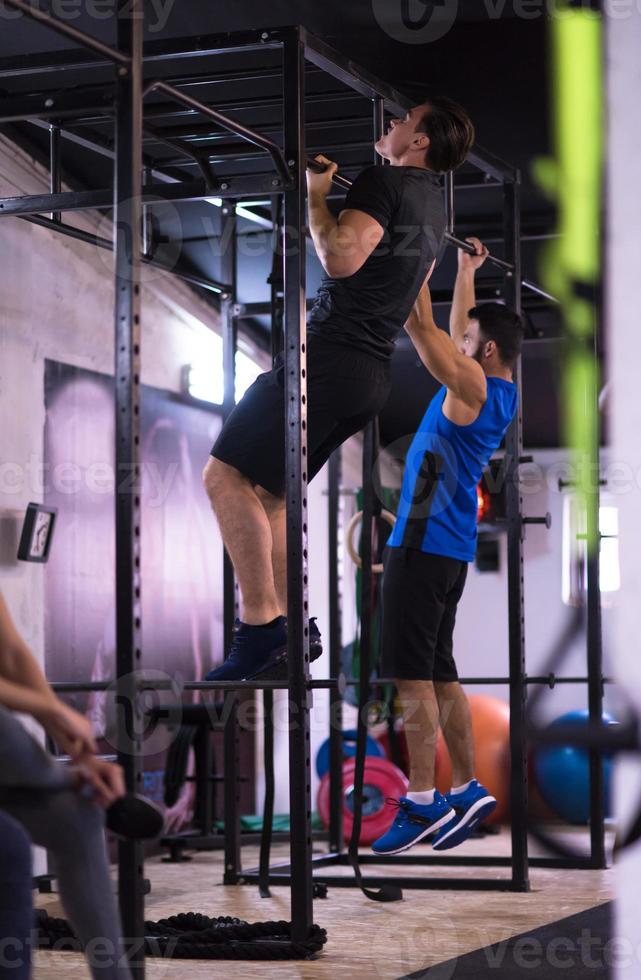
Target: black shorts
[(346, 389), (420, 595)]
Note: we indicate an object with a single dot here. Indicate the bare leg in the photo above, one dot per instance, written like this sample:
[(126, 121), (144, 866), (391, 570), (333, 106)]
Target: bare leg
[(276, 515), (421, 719), (247, 535), (456, 724)]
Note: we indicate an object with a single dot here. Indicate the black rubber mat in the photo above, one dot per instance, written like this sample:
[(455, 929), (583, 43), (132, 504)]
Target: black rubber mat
[(573, 949)]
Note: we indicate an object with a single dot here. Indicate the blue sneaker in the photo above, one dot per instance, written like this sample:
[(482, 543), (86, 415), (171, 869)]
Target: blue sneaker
[(413, 822), (255, 650), (471, 807)]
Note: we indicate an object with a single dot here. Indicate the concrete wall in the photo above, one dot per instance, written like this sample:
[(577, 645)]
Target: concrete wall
[(57, 302)]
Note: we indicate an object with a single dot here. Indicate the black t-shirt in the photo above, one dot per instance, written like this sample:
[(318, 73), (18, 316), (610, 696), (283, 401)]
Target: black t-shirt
[(368, 310)]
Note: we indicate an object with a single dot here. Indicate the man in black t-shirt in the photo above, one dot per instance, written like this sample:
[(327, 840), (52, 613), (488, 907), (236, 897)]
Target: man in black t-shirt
[(376, 256)]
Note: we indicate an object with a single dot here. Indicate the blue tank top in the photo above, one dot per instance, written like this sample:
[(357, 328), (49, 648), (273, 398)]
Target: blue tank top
[(438, 507)]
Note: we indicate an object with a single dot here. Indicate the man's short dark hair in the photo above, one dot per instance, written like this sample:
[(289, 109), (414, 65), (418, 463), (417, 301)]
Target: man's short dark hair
[(502, 325), (451, 134)]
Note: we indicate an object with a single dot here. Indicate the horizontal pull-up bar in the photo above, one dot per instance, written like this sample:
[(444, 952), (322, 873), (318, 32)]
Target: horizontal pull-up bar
[(77, 687), (466, 247), (60, 27), (232, 125), (317, 167)]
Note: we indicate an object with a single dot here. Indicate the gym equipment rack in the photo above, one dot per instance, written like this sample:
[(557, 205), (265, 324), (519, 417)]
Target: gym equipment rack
[(131, 100)]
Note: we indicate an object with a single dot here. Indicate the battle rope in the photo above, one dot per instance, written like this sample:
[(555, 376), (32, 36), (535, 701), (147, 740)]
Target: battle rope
[(197, 937), (371, 509)]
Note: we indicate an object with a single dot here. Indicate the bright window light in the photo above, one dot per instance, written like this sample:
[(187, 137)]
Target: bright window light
[(609, 572), (204, 376), (246, 373), (574, 571), (204, 373)]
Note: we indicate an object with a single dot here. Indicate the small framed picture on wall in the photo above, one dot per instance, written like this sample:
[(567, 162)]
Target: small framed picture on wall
[(37, 533)]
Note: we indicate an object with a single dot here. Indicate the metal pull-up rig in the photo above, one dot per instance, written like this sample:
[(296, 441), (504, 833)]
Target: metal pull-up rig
[(123, 101)]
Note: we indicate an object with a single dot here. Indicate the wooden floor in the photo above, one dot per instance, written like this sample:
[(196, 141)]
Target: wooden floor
[(365, 939)]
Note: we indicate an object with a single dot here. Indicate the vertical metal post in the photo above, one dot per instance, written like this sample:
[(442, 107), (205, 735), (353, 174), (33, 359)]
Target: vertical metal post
[(336, 837), (127, 222), (55, 173), (268, 807), (594, 647), (204, 811), (296, 490), (275, 281), (232, 789), (370, 451), (147, 219), (228, 274), (516, 621)]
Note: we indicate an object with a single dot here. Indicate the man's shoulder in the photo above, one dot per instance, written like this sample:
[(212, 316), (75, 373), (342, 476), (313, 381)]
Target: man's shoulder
[(377, 171)]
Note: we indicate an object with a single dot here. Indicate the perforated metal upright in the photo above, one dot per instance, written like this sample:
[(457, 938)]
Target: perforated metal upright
[(127, 224), (515, 525), (231, 748), (296, 487)]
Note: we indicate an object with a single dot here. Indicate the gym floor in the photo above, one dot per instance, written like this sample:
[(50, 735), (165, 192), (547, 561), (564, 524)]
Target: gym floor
[(366, 939)]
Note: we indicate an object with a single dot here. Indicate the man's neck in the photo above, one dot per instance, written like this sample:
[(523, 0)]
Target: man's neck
[(504, 373), (404, 162)]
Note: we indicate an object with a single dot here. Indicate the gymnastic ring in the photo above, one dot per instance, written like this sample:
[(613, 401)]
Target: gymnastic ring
[(349, 538)]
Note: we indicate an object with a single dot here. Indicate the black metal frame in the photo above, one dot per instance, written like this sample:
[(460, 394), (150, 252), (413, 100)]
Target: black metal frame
[(126, 99), (518, 862)]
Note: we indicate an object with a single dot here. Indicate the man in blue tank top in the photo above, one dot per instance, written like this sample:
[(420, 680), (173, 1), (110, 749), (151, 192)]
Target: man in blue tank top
[(433, 540)]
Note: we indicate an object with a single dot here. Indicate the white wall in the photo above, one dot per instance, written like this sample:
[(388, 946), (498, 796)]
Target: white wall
[(481, 637)]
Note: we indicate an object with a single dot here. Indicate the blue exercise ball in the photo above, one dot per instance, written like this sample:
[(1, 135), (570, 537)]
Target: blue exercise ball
[(562, 773), (349, 750)]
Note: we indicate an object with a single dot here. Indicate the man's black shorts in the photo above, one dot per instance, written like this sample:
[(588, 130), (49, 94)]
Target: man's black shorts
[(420, 595), (346, 389)]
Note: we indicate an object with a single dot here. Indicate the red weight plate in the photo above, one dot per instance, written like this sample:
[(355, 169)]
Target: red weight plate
[(382, 779)]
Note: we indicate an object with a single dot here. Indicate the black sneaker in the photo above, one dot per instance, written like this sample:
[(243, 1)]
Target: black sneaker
[(315, 641), (277, 670), (254, 649)]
